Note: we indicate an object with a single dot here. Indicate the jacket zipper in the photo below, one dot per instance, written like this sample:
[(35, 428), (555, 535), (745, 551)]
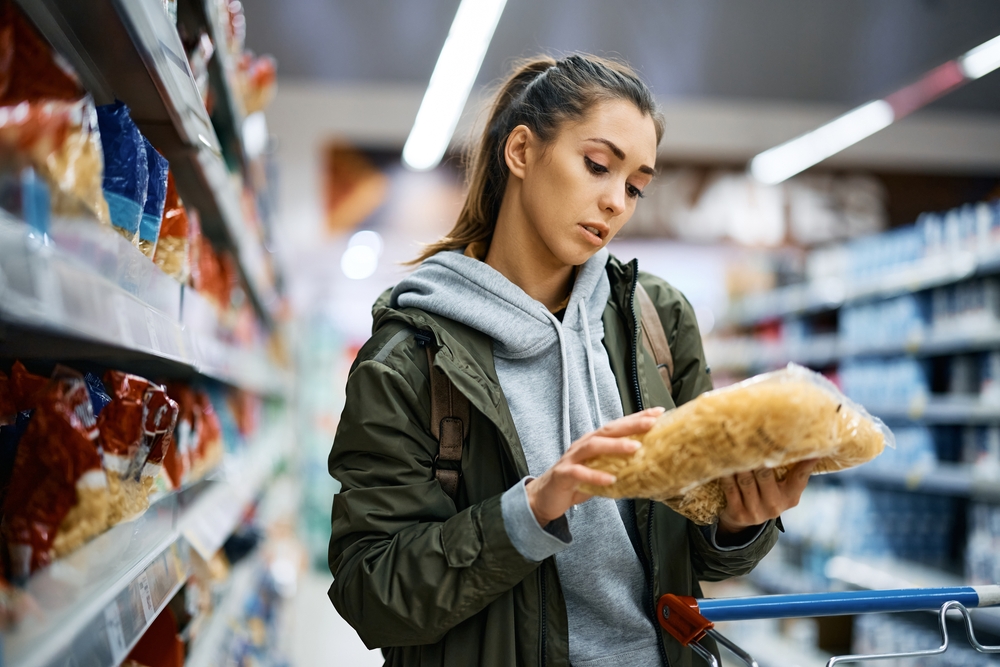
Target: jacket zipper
[(650, 590), (543, 613)]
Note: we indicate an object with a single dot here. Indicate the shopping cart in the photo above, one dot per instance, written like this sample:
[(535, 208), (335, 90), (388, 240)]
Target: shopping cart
[(690, 620)]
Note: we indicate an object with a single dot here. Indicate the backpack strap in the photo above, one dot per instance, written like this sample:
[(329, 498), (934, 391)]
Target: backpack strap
[(450, 417), (655, 337)]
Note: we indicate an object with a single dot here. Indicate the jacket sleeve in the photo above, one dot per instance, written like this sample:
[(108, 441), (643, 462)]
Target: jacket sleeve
[(692, 378), (407, 568)]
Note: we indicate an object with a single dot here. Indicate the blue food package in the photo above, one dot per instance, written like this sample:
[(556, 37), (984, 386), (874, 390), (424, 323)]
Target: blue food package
[(126, 171), (156, 197), (99, 397)]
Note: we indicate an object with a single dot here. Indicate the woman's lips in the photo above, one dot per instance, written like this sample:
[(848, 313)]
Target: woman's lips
[(592, 234)]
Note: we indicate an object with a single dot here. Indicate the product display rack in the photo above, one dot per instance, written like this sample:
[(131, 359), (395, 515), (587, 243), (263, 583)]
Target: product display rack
[(94, 296), (94, 604), (832, 293), (129, 50)]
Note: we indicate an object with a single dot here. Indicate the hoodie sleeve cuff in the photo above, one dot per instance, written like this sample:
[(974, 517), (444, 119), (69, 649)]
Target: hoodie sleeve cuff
[(710, 535), (528, 537)]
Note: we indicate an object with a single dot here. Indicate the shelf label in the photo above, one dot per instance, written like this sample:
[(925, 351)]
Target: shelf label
[(121, 308), (113, 628), (151, 328), (146, 596)]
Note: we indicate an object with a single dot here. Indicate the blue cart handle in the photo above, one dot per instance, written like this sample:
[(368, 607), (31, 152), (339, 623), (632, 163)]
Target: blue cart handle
[(846, 603)]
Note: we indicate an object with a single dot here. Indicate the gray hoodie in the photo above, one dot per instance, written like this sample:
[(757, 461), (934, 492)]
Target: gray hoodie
[(558, 383)]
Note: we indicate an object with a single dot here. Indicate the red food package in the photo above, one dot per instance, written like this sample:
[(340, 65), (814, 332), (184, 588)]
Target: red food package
[(209, 436), (177, 461), (246, 409), (135, 428), (210, 279), (173, 252), (159, 646), (58, 495), (194, 249), (260, 77), (28, 69), (25, 387), (8, 409)]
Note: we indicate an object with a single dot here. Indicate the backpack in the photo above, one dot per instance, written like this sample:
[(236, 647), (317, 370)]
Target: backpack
[(450, 411)]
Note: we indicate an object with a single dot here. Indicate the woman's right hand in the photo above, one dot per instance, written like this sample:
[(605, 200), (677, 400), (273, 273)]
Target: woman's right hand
[(557, 489)]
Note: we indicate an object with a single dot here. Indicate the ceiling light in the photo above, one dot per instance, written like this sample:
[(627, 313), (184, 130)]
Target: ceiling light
[(360, 260), (451, 82), (981, 60), (782, 162), (255, 134)]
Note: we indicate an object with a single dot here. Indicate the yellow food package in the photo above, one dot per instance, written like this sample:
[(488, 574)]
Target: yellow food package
[(772, 420)]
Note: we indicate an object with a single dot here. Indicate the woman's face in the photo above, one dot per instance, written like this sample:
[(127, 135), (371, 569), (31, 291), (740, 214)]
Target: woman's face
[(582, 187)]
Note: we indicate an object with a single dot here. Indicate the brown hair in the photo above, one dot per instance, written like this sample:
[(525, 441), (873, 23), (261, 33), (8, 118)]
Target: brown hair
[(541, 93)]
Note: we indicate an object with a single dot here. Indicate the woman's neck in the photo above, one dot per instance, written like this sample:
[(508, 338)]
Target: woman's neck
[(519, 253)]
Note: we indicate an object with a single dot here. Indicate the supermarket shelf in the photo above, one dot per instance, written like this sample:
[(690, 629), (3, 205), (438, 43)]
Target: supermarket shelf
[(834, 292), (95, 604), (745, 353), (91, 286), (952, 479), (940, 410), (208, 649), (129, 50)]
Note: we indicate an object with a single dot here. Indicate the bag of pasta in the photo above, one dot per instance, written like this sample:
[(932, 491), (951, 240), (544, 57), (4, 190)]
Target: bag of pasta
[(772, 420)]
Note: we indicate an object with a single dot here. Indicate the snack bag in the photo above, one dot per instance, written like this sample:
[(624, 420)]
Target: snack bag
[(28, 69), (135, 432), (156, 196), (173, 249), (58, 497), (177, 461), (126, 171), (209, 436), (772, 420)]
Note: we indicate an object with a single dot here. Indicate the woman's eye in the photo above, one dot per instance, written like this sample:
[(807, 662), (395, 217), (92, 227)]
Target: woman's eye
[(633, 192), (595, 167)]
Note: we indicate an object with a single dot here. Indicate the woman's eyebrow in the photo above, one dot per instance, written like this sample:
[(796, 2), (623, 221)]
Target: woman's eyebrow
[(620, 154)]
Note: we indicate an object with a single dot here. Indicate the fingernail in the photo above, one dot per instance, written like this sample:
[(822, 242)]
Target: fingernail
[(634, 445), (657, 409), (612, 479)]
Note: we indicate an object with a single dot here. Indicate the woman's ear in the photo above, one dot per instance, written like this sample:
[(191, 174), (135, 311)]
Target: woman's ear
[(515, 152)]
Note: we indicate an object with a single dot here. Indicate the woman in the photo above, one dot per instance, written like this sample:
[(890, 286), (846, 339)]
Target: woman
[(535, 323)]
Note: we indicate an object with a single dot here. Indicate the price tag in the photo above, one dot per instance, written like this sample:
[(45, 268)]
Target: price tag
[(151, 328), (121, 307), (113, 627), (146, 597)]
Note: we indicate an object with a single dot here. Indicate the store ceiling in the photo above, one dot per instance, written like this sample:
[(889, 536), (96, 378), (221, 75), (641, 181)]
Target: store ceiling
[(825, 51)]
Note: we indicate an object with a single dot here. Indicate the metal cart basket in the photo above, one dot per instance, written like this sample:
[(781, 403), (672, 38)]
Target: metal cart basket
[(690, 620)]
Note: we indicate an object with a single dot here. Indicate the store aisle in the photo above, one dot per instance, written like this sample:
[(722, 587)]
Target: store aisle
[(319, 636)]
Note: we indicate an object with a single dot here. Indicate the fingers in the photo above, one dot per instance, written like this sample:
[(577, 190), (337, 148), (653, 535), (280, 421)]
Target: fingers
[(796, 481), (598, 445), (771, 499), (584, 475), (749, 492), (734, 501), (639, 422)]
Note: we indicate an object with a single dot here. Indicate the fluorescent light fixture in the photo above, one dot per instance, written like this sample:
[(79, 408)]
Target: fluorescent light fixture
[(451, 82), (981, 60), (255, 134), (784, 161)]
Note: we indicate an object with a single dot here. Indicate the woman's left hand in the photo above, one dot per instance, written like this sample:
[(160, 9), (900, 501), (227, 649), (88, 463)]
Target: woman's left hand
[(755, 497)]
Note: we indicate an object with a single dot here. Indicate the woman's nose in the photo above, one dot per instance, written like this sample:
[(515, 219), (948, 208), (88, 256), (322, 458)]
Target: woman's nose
[(613, 199)]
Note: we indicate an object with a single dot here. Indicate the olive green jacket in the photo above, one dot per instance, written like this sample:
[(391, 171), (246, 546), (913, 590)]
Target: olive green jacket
[(437, 582)]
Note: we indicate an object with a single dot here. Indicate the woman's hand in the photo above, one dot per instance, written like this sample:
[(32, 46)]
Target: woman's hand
[(755, 497), (556, 490)]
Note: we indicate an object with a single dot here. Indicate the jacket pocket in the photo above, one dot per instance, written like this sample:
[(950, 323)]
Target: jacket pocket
[(460, 540)]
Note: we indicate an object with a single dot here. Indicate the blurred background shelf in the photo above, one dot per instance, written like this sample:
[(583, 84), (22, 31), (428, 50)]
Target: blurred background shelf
[(90, 295), (94, 604), (952, 479), (832, 293), (130, 50)]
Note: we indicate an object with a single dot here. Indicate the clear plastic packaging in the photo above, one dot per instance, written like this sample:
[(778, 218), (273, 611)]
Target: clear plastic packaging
[(772, 420)]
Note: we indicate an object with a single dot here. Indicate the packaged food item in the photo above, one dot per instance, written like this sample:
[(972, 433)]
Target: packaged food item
[(136, 429), (58, 497), (260, 78), (209, 436), (210, 279), (177, 461), (156, 197), (173, 248), (773, 421), (99, 398), (28, 69), (160, 645), (126, 171)]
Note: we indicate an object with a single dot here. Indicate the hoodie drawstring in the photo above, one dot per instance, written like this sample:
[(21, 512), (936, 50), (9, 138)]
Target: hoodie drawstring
[(590, 365), (567, 433)]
